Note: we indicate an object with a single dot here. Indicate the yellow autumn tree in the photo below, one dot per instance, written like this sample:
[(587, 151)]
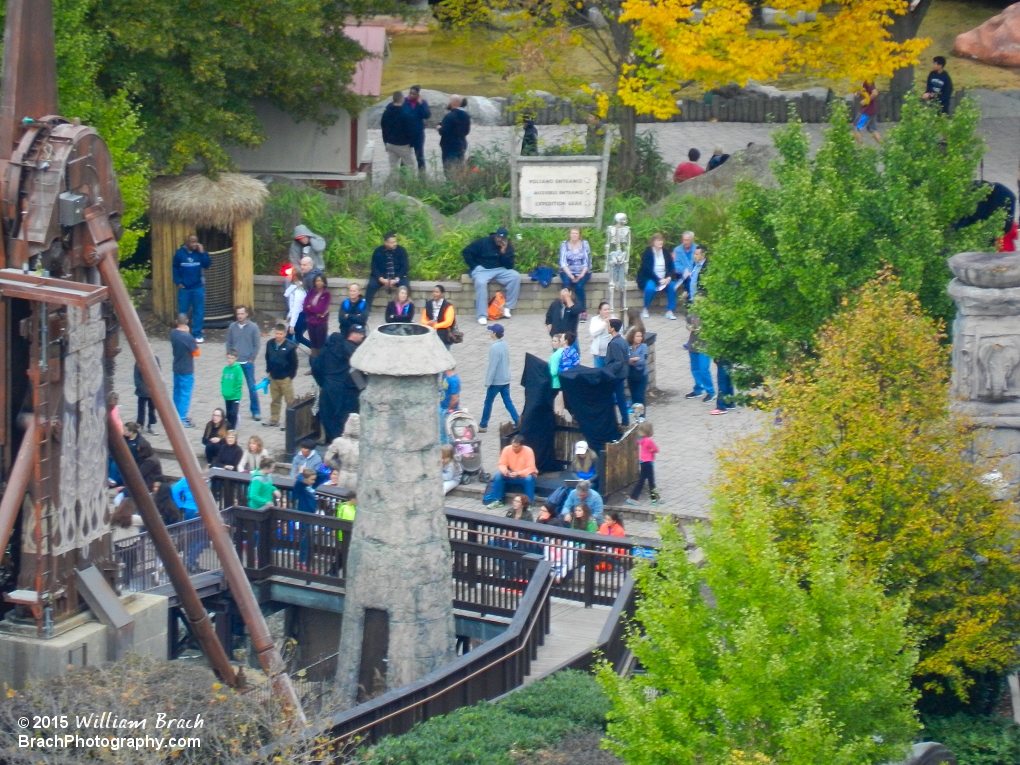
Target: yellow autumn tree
[(678, 46), (643, 55), (863, 435)]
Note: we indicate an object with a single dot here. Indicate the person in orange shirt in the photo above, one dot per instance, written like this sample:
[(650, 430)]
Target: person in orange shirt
[(439, 314), (516, 468)]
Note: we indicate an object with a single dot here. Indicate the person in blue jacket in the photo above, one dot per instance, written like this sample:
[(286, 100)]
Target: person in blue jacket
[(418, 110), (190, 261)]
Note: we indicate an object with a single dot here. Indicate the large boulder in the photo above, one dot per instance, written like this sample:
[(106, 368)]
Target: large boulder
[(476, 212), (435, 217), (995, 42), (753, 164), (483, 111)]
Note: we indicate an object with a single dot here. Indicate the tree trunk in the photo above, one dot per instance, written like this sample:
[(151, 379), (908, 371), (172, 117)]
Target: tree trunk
[(904, 28), (628, 147)]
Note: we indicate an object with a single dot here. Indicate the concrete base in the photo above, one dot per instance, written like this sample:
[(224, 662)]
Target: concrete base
[(25, 657)]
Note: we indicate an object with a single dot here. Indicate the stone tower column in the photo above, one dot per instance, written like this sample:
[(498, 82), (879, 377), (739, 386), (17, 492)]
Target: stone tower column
[(986, 360), (398, 609)]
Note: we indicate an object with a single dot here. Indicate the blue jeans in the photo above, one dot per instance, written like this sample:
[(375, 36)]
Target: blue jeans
[(510, 280), (490, 396), (621, 401), (650, 286), (192, 298), (249, 377), (600, 361), (722, 373), (701, 370), (578, 288), (183, 385), (500, 483), (637, 387), (299, 331)]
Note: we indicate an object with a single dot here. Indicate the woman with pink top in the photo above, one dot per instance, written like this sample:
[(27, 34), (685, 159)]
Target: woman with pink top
[(646, 458), (317, 312)]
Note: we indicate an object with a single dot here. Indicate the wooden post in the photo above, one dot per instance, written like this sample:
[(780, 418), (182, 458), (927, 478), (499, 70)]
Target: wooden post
[(167, 237), (244, 264)]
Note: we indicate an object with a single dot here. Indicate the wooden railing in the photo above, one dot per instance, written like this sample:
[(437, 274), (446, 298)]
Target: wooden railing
[(491, 670), (586, 567)]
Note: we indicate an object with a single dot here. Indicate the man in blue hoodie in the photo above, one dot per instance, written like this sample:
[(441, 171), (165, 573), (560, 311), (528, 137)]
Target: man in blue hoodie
[(189, 263)]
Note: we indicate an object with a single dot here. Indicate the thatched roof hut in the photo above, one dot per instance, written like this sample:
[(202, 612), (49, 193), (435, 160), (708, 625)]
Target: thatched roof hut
[(220, 212)]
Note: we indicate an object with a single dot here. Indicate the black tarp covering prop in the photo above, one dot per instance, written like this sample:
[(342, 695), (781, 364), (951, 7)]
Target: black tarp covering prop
[(538, 423), (588, 396)]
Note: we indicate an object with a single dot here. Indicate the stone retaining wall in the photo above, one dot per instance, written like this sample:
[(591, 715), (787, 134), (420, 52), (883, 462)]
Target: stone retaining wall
[(534, 297)]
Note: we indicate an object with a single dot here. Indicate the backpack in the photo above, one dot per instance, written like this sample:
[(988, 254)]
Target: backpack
[(496, 306)]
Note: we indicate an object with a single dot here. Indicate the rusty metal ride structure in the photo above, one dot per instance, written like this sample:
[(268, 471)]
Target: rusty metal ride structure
[(62, 307)]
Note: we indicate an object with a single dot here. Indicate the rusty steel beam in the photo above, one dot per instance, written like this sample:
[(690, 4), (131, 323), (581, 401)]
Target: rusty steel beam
[(240, 588), (17, 484), (198, 617), (45, 289), (29, 87)]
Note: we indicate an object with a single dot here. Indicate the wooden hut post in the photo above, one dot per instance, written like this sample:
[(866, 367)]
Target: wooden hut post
[(243, 240), (167, 236), (182, 205)]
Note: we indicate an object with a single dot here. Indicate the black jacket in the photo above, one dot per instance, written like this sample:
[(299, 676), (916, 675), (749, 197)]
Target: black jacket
[(353, 314), (392, 317), (562, 319), (617, 358), (281, 360), (397, 128), (141, 389), (646, 272), (401, 264), (308, 280), (483, 252), (229, 455), (941, 84), (453, 132)]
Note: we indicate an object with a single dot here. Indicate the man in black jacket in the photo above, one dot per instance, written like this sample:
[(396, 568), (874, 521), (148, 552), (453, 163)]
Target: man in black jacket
[(563, 315), (281, 367), (338, 394), (491, 258), (390, 266), (353, 309), (453, 133), (618, 365), (398, 134)]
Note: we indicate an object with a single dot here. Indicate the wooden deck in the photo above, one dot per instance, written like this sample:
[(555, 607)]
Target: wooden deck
[(572, 629)]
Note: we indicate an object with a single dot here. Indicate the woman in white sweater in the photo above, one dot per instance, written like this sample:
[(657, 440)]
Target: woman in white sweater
[(295, 297), (252, 456), (598, 328)]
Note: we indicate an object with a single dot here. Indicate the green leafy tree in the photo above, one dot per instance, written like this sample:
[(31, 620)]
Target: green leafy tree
[(793, 252), (80, 52), (193, 69), (864, 436), (758, 660)]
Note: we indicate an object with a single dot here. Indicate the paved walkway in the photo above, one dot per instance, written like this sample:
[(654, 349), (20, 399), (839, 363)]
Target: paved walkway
[(685, 432), (1000, 127), (687, 435)]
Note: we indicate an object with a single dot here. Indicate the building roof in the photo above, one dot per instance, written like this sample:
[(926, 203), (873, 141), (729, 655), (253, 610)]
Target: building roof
[(200, 201), (368, 73)]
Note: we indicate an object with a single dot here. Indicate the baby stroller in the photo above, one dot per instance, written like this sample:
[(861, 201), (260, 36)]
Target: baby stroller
[(463, 433)]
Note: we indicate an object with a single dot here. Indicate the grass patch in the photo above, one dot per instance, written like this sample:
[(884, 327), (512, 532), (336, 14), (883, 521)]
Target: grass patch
[(494, 734), (945, 20)]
